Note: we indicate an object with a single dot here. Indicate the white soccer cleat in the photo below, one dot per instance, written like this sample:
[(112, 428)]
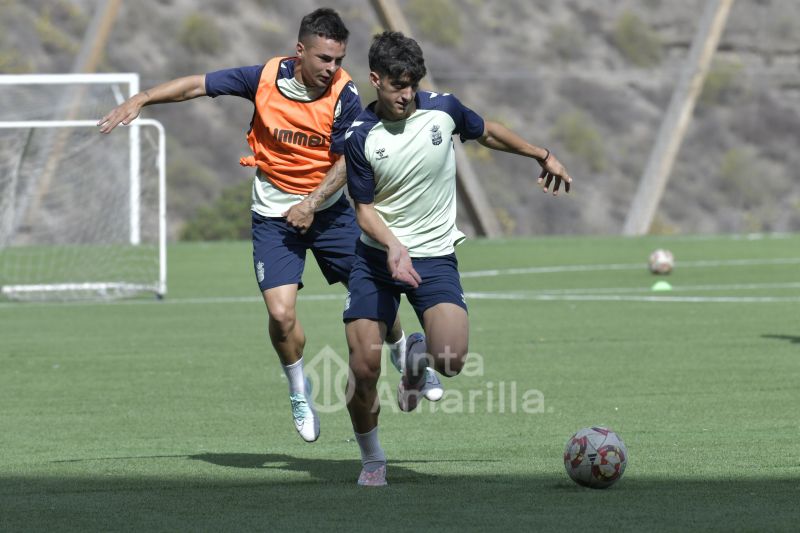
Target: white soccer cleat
[(432, 389), (306, 421)]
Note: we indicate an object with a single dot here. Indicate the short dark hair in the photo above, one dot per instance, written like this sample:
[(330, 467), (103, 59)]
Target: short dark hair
[(397, 56), (324, 22)]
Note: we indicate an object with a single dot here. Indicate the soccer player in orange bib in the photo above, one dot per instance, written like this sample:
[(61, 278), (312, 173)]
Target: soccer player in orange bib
[(303, 107)]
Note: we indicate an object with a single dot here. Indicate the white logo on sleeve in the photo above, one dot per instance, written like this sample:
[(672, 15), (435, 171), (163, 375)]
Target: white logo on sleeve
[(352, 128), (347, 302)]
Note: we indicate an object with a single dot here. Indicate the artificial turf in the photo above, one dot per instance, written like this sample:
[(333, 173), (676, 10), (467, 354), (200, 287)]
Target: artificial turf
[(173, 415)]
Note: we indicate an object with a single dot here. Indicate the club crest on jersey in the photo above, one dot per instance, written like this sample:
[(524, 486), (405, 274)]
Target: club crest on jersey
[(380, 153), (436, 135)]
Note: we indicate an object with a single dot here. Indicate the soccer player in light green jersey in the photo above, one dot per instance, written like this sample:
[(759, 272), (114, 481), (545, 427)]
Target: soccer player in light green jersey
[(401, 175)]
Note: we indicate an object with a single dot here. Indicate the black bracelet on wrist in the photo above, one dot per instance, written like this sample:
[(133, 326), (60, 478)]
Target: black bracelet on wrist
[(544, 160)]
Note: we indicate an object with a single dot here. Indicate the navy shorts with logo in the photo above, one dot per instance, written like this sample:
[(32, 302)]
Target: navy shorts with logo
[(376, 296), (279, 250)]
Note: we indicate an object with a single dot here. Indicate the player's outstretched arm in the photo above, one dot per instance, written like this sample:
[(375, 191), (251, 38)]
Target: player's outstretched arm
[(498, 137), (397, 258), (176, 90)]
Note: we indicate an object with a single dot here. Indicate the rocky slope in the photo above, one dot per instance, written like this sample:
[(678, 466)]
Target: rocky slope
[(590, 79)]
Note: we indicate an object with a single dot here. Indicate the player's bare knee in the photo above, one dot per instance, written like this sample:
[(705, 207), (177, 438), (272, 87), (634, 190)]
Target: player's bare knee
[(284, 317), (364, 372), (451, 364)]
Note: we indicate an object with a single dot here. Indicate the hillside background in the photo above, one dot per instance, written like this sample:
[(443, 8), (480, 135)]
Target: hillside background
[(590, 79)]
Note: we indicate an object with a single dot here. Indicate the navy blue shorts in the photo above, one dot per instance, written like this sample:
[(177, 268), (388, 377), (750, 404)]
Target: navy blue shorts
[(376, 296), (279, 250)]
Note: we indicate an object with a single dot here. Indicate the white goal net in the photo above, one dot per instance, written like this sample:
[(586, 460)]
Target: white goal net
[(82, 214)]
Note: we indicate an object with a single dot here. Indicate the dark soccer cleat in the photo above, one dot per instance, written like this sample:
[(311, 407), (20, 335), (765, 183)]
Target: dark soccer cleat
[(413, 381)]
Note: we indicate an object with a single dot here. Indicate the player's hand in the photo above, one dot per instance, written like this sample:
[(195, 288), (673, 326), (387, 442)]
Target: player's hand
[(300, 216), (400, 266), (125, 113), (553, 170)]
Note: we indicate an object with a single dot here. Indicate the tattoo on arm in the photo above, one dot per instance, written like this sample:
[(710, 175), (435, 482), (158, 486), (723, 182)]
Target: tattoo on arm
[(332, 183)]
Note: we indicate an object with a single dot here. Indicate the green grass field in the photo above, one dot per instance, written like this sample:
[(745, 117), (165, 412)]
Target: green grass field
[(173, 415)]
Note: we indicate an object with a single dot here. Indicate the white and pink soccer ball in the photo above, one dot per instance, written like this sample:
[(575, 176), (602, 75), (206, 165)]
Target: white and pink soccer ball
[(595, 457), (661, 262)]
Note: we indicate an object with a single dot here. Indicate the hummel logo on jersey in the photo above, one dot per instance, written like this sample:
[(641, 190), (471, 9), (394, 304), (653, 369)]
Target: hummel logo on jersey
[(297, 137), (381, 153), (436, 135)]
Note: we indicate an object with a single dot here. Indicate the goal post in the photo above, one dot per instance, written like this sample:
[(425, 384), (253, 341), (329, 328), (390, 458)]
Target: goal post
[(82, 215)]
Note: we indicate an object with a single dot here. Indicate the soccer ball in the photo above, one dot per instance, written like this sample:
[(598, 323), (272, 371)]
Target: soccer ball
[(661, 262), (595, 457)]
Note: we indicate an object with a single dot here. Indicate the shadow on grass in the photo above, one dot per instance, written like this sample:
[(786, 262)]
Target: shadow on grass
[(327, 470), (330, 470), (253, 494), (333, 470), (794, 339)]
